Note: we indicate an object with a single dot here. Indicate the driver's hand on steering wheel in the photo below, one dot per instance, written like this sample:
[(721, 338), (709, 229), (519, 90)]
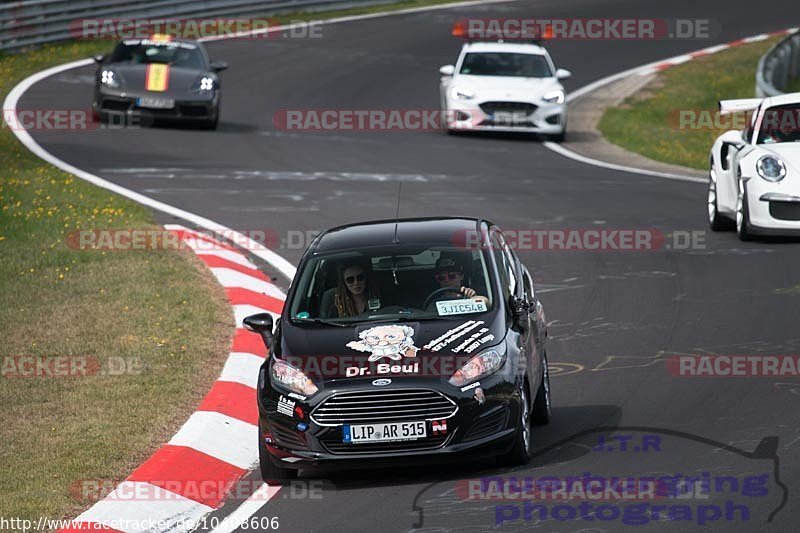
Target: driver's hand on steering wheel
[(468, 292)]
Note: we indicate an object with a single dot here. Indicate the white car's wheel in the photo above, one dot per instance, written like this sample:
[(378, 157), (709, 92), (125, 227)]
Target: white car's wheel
[(742, 215), (715, 219)]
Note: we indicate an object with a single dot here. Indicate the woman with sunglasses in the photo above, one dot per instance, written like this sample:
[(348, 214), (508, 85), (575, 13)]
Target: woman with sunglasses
[(354, 293)]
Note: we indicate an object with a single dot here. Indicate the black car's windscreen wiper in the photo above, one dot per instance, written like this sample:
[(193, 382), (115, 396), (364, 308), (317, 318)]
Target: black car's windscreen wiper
[(319, 321)]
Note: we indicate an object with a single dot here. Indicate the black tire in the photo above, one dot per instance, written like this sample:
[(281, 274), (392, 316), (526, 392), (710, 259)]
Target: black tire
[(743, 217), (271, 474), (541, 404), (716, 221), (520, 454)]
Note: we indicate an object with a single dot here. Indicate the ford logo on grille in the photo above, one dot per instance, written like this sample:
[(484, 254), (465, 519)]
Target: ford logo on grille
[(381, 382)]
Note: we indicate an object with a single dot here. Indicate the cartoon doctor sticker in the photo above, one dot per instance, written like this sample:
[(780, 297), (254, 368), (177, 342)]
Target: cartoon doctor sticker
[(394, 342)]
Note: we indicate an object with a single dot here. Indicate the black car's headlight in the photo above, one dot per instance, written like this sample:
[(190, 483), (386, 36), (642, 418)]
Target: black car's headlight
[(771, 168), (204, 84), (478, 367), (291, 378), (109, 78)]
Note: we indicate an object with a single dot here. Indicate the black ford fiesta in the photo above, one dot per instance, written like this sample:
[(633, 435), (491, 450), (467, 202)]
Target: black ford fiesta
[(403, 341)]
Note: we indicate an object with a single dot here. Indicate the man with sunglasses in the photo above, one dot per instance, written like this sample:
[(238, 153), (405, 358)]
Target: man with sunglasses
[(450, 274)]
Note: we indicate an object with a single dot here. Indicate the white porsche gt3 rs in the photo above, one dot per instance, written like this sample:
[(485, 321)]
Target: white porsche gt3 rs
[(754, 174), (511, 87)]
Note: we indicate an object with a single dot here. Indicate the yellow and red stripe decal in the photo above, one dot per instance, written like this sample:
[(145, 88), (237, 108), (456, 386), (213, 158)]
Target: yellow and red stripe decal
[(157, 77)]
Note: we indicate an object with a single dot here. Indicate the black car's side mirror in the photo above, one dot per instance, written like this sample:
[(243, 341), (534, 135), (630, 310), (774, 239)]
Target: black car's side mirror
[(218, 66), (99, 58), (519, 310), (261, 323)]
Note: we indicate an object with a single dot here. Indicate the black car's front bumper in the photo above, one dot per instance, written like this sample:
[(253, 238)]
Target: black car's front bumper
[(113, 103), (478, 427)]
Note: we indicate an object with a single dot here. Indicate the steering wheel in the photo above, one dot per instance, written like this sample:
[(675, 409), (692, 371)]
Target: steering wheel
[(439, 291)]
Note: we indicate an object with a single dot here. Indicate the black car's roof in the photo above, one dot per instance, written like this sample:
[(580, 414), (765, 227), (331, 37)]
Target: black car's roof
[(439, 230)]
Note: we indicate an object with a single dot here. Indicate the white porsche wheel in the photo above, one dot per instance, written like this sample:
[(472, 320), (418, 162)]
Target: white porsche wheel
[(742, 215), (715, 219)]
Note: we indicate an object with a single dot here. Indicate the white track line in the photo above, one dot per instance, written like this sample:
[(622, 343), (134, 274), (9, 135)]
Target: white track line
[(247, 509)]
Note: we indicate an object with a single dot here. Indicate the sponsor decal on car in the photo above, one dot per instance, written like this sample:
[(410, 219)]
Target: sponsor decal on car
[(470, 386), (392, 341), (439, 427), (452, 334), (286, 406)]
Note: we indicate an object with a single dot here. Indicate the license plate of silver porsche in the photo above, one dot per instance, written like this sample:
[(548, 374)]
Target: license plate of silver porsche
[(387, 432), (155, 103)]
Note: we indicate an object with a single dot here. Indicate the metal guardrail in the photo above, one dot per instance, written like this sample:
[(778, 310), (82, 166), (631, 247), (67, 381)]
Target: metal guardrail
[(779, 66), (33, 22)]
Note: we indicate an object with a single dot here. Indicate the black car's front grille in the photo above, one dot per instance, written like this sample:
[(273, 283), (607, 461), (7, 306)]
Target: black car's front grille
[(489, 424), (368, 406), (332, 441), (508, 107), (115, 105), (193, 110), (785, 210)]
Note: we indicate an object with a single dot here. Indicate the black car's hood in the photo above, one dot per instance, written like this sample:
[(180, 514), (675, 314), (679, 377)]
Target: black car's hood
[(435, 348), (133, 77)]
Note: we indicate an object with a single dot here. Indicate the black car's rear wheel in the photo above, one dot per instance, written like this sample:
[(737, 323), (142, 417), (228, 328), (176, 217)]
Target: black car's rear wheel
[(520, 454), (271, 474)]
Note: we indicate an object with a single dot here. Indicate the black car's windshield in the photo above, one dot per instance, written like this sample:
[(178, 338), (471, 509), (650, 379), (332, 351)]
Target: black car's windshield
[(176, 54), (780, 124), (403, 282), (506, 64)]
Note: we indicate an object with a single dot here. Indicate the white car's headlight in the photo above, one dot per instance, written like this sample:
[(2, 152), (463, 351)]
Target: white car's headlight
[(109, 79), (292, 378), (478, 367), (203, 85), (554, 97), (461, 93), (771, 168)]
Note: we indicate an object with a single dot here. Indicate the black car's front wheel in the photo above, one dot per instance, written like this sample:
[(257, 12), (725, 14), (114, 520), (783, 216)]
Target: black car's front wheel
[(541, 404), (271, 474), (520, 454)]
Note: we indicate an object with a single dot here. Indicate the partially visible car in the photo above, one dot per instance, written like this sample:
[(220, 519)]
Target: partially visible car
[(158, 78), (754, 174)]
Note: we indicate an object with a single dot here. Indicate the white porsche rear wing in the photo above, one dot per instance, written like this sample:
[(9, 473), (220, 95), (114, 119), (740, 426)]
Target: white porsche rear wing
[(743, 104)]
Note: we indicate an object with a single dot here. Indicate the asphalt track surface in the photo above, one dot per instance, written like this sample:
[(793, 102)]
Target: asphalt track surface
[(615, 315)]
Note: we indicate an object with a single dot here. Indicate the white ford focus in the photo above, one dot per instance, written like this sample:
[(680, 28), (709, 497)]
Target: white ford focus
[(511, 87), (754, 174)]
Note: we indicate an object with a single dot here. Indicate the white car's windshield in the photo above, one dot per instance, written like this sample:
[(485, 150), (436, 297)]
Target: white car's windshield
[(506, 64), (401, 282), (780, 124)]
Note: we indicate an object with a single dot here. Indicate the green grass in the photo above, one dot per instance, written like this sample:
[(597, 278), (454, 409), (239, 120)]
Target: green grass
[(647, 122), (159, 309), (162, 310)]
